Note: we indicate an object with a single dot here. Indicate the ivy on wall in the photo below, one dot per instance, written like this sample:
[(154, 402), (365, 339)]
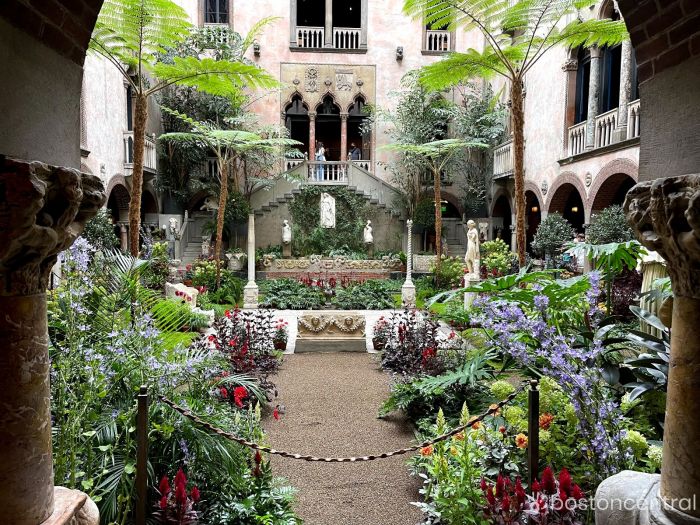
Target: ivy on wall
[(351, 214)]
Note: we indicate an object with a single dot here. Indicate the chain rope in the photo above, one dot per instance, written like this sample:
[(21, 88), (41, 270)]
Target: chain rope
[(262, 448)]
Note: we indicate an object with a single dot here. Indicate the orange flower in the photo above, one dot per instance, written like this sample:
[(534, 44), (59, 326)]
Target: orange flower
[(459, 436), (426, 451), (546, 421), (497, 411), (476, 426), (521, 441)]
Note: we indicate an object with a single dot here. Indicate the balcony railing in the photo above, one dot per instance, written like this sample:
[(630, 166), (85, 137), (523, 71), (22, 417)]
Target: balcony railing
[(577, 138), (503, 159), (310, 37), (364, 164), (328, 172), (346, 38), (437, 40), (633, 119), (605, 125), (150, 155), (290, 164)]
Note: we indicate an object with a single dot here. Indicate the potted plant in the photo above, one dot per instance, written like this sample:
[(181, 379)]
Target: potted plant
[(279, 338), (381, 334)]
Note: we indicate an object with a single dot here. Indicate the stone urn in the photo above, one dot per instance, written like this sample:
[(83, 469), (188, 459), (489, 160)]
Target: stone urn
[(237, 261)]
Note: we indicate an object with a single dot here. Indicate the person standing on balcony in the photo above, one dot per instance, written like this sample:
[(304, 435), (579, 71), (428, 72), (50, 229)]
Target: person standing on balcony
[(355, 152), (320, 157)]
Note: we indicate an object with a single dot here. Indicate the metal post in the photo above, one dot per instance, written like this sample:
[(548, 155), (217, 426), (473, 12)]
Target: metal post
[(142, 456), (533, 432)]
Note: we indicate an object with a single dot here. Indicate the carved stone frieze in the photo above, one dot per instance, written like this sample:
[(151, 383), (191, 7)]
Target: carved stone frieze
[(665, 215), (333, 325), (316, 263), (43, 209)]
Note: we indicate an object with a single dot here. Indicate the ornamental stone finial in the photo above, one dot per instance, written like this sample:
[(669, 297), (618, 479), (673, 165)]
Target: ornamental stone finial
[(665, 215)]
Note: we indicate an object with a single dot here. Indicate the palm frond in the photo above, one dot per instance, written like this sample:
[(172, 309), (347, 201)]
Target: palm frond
[(256, 31)]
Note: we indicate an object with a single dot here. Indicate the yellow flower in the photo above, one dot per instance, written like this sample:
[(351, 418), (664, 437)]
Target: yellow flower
[(521, 441), (453, 451)]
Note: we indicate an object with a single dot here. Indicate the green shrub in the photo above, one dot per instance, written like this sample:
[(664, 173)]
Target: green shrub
[(157, 271), (609, 225), (99, 231), (450, 274), (370, 295), (552, 234), (497, 257), (289, 294)]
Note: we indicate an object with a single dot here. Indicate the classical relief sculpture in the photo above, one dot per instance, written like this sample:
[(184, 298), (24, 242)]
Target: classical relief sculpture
[(327, 211), (472, 257)]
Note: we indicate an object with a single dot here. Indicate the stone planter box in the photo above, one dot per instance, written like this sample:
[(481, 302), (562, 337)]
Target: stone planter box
[(236, 261), (317, 266), (423, 263)]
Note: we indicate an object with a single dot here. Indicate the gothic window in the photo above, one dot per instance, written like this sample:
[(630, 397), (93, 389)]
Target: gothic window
[(216, 11), (610, 63), (583, 77)]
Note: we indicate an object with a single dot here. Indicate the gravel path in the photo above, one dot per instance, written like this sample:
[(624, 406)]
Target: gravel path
[(331, 402)]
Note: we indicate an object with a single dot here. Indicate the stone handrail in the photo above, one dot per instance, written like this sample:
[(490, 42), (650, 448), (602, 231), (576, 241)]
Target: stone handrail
[(503, 159), (605, 125), (633, 119), (437, 40), (372, 185), (346, 37), (328, 172), (150, 154), (364, 164), (577, 138), (310, 37)]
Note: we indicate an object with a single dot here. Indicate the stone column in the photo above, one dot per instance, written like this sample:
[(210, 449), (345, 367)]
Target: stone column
[(123, 237), (665, 215), (343, 137), (625, 90), (250, 291), (408, 290), (593, 97), (328, 40), (312, 136), (42, 211), (513, 236)]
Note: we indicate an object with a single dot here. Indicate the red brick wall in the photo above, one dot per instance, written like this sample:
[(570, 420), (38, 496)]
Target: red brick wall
[(664, 33), (63, 25)]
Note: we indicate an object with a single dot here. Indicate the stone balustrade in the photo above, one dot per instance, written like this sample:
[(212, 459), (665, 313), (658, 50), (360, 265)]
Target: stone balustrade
[(503, 159), (577, 139), (605, 125), (150, 154), (346, 37), (437, 40), (633, 119), (310, 37), (329, 172)]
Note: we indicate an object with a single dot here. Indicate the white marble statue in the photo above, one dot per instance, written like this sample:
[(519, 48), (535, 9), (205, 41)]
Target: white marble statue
[(368, 237), (173, 222), (286, 232), (210, 204), (327, 211), (472, 257)]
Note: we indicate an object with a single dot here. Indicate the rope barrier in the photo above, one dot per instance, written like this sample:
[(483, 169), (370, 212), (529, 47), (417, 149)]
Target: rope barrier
[(255, 446)]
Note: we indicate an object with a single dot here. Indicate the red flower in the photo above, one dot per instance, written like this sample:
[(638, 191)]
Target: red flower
[(505, 502), (180, 478), (577, 493), (195, 494), (502, 429), (535, 487), (500, 486), (519, 491), (239, 394), (546, 421), (223, 392), (276, 414), (565, 482), (163, 502), (180, 494), (164, 487), (484, 486), (258, 457), (227, 313), (549, 485)]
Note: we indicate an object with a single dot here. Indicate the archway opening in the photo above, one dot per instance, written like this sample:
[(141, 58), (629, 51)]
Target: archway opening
[(297, 121), (612, 191), (328, 127), (118, 203), (356, 117), (533, 211), (568, 202), (502, 219)]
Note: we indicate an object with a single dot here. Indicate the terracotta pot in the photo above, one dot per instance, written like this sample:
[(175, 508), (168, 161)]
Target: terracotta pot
[(378, 344), (280, 345)]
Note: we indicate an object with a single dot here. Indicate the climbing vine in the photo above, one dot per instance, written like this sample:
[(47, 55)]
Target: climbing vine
[(351, 213)]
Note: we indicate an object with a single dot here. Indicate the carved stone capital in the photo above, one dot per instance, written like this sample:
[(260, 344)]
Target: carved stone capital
[(665, 215), (570, 65), (43, 209)]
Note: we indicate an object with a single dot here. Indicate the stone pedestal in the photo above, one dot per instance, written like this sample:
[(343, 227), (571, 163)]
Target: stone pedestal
[(42, 211), (250, 291), (665, 215), (408, 290), (181, 292), (469, 297), (370, 250), (123, 238), (287, 250)]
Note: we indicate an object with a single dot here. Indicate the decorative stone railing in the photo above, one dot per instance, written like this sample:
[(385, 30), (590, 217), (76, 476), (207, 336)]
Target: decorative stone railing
[(364, 164), (503, 159), (577, 139), (346, 37), (150, 155), (633, 119), (310, 37), (437, 40), (329, 172), (318, 264), (290, 164), (605, 125)]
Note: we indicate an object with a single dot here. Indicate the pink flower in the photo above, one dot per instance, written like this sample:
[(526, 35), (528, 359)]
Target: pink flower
[(276, 414)]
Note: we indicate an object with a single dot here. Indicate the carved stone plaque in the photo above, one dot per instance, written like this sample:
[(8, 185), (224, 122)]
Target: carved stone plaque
[(311, 80)]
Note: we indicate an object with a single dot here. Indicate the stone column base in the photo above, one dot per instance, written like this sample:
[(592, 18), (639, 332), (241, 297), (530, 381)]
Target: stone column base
[(250, 296), (408, 294), (286, 250), (72, 507), (632, 498)]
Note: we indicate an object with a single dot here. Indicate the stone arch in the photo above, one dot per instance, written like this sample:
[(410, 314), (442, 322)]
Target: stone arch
[(501, 215), (454, 202), (614, 175), (535, 189), (357, 98), (149, 201), (296, 94), (118, 199), (195, 202), (568, 197), (568, 177), (333, 100)]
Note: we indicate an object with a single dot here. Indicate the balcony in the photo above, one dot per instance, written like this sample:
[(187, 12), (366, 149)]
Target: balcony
[(606, 131), (437, 41), (150, 156), (342, 39), (346, 37), (327, 172), (503, 160), (310, 37)]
